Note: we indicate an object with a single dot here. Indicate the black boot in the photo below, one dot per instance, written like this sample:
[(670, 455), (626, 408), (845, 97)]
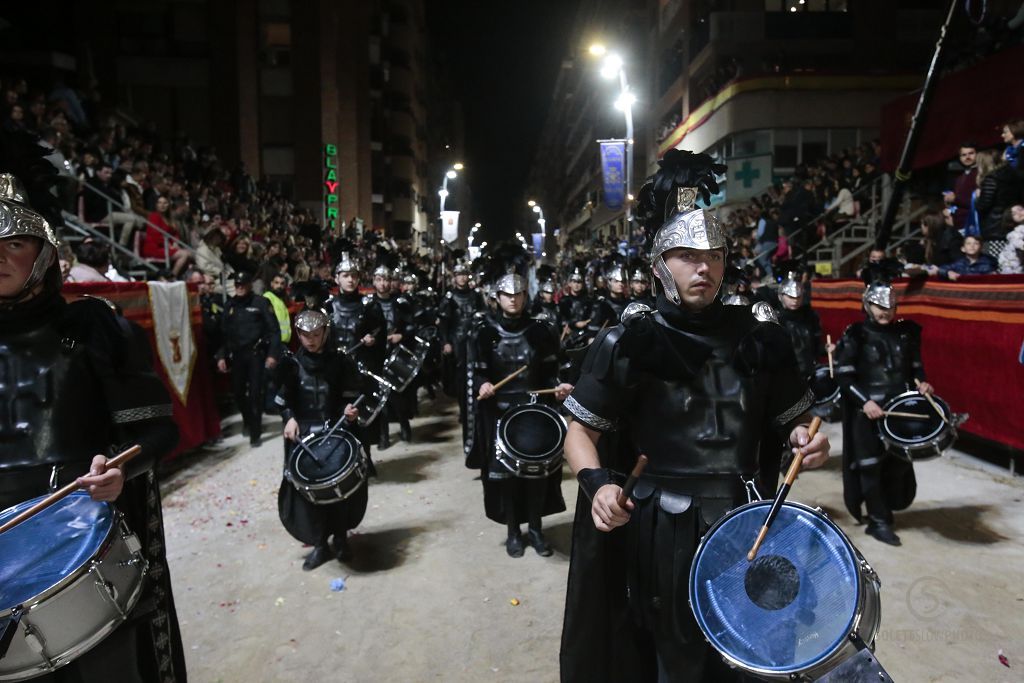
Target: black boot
[(320, 554), (342, 550), (539, 543), (883, 532), (406, 431), (514, 544)]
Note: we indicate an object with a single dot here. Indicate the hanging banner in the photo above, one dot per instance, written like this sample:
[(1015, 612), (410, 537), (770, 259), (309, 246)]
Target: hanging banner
[(172, 328), (538, 244), (613, 165), (449, 226)]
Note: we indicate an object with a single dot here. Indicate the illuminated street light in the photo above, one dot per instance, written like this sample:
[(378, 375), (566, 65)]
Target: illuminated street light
[(451, 175), (531, 203), (458, 166), (597, 50), (443, 194), (625, 100), (536, 209), (612, 66)]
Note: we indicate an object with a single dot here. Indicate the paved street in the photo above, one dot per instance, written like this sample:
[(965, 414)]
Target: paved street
[(430, 593)]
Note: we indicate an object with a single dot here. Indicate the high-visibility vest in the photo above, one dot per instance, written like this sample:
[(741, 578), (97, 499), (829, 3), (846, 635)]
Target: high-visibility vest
[(284, 320)]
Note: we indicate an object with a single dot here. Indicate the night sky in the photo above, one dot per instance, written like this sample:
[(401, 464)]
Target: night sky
[(504, 57)]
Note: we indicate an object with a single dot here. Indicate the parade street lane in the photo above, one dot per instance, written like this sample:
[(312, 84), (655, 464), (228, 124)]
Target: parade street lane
[(429, 595)]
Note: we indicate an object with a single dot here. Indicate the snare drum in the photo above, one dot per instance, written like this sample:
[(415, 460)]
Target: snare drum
[(327, 467), (799, 609), (69, 576), (374, 401), (529, 440), (827, 397), (401, 368), (917, 439)]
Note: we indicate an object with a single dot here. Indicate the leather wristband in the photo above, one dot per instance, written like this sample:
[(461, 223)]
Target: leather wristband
[(592, 479)]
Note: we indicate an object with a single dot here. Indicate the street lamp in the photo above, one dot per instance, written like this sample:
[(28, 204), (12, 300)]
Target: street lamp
[(611, 67)]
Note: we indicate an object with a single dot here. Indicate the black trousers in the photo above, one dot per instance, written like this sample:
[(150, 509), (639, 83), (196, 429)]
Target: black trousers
[(247, 384)]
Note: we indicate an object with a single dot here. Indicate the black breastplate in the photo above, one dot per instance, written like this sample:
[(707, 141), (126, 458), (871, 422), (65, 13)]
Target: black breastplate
[(579, 308), (390, 310), (883, 362), (345, 316), (52, 410), (617, 306), (804, 342), (314, 390), (511, 352), (713, 428), (465, 307)]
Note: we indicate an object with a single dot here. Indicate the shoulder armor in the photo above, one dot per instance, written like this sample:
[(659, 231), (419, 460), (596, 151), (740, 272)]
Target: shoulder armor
[(634, 311), (542, 317), (449, 295), (479, 315), (908, 326), (367, 299), (763, 312)]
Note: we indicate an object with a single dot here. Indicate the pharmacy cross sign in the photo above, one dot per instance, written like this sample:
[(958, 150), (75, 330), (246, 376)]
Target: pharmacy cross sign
[(747, 174)]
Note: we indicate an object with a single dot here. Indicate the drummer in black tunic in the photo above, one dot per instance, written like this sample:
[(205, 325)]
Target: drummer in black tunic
[(397, 317), (497, 349), (93, 393), (355, 320), (545, 305), (875, 361), (711, 394), (608, 309), (317, 385), (802, 324), (458, 307), (576, 306)]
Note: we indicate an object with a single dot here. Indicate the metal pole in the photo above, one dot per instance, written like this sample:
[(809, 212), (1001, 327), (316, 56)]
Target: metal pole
[(624, 84), (914, 135)]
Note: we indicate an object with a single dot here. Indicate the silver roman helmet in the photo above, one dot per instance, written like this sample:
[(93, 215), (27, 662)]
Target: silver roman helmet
[(576, 275), (346, 264), (880, 294), (616, 273), (510, 284), (311, 320), (669, 203), (410, 279), (382, 271), (791, 286), (638, 276), (548, 286), (18, 219), (460, 268)]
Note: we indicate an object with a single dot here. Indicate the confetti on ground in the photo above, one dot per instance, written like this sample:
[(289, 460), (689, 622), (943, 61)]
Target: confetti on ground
[(514, 602), (1003, 660), (278, 602), (337, 585)]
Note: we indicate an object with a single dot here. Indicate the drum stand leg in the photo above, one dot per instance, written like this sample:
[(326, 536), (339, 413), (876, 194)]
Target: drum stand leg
[(860, 668)]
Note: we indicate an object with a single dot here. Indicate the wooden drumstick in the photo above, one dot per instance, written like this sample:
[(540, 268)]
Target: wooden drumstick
[(508, 379), (63, 493), (780, 497), (931, 400), (627, 490), (828, 343), (538, 392), (912, 416)]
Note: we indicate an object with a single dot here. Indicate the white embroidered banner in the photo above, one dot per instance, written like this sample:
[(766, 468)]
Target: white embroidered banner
[(172, 328)]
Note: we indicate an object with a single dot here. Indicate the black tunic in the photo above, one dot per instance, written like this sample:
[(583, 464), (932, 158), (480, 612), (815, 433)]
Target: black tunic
[(314, 390), (709, 398), (804, 330), (86, 385)]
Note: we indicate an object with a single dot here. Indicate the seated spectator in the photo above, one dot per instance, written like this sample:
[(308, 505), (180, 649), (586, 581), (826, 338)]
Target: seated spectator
[(208, 256), (1013, 136), (973, 262), (93, 263), (939, 244), (238, 255), (1012, 255), (153, 242)]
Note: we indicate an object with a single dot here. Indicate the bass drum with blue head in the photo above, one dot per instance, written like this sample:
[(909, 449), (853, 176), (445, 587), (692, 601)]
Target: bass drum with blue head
[(808, 602), (69, 576)]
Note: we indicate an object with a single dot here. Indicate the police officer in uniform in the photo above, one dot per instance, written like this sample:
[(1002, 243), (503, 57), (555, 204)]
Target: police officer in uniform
[(397, 317), (457, 308), (875, 361), (79, 386), (496, 349), (317, 385), (640, 287), (709, 393), (252, 343)]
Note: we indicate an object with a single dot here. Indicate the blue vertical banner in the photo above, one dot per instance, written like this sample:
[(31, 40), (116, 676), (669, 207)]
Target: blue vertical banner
[(538, 244), (613, 165)]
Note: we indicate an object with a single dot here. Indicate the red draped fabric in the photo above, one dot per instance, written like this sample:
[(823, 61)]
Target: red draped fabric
[(198, 419), (971, 343)]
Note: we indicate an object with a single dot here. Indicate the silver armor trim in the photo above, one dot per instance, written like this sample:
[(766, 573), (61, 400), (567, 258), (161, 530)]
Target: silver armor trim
[(764, 312), (588, 418), (797, 409), (141, 413)]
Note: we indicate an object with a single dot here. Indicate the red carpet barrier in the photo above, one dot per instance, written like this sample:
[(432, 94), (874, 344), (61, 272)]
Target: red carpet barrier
[(197, 418), (971, 343)]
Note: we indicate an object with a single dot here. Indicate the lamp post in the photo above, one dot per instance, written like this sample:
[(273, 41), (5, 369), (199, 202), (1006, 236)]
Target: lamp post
[(613, 66), (472, 233), (540, 221), (450, 174)]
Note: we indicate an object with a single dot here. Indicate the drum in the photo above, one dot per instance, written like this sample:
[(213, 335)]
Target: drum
[(327, 467), (799, 609), (917, 439), (400, 368), (827, 397), (374, 401), (69, 576), (530, 439)]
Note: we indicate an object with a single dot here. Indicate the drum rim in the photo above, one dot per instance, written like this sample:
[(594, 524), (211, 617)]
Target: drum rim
[(342, 434), (548, 411), (858, 601), (832, 397), (116, 517), (931, 440)]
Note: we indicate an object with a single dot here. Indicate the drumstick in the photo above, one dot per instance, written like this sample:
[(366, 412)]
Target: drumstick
[(828, 342), (543, 391), (508, 379), (931, 400), (627, 490), (360, 342), (63, 493), (780, 497), (913, 416), (565, 331)]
